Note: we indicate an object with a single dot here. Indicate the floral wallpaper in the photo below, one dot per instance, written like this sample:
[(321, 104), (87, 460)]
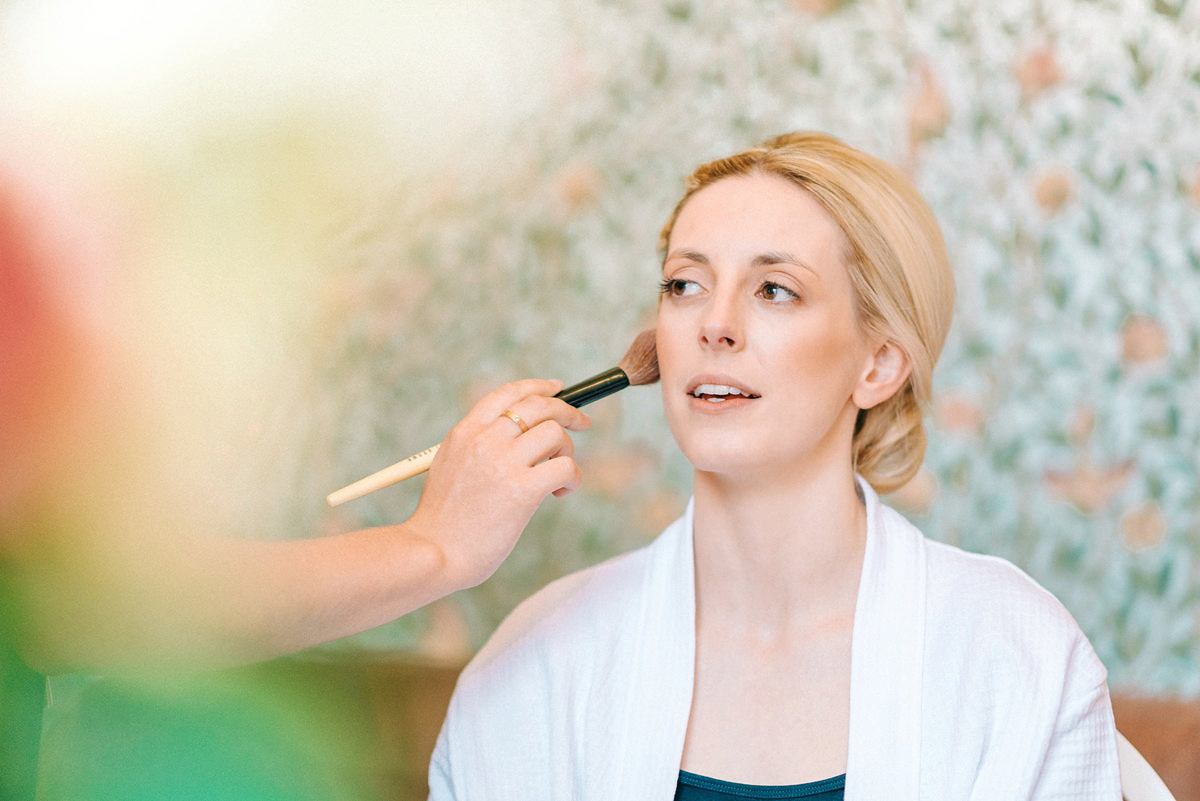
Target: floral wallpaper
[(1057, 142), (362, 216)]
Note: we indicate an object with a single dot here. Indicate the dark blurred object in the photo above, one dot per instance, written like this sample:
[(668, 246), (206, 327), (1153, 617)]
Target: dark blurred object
[(22, 698), (287, 730), (406, 699)]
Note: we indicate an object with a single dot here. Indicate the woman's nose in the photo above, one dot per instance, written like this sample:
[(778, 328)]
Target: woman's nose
[(721, 326)]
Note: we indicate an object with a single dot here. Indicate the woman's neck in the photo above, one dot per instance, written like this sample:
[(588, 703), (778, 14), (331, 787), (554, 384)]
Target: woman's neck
[(780, 557)]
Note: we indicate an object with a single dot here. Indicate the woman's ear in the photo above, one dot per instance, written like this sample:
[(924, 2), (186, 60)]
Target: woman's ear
[(886, 371)]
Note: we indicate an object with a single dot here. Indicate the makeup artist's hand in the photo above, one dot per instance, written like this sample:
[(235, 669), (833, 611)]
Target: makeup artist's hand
[(492, 472)]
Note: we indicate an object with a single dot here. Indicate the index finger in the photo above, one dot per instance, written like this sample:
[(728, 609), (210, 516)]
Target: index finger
[(498, 400), (539, 408)]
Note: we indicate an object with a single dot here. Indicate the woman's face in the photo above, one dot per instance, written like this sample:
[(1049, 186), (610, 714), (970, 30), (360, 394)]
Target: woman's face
[(759, 346)]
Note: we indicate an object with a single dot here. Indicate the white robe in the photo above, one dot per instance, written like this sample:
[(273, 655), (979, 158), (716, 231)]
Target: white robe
[(968, 681)]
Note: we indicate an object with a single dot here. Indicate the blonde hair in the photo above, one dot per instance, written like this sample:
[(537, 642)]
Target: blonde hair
[(901, 275)]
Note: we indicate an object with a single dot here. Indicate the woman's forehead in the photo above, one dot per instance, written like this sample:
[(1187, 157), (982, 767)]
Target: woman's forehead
[(762, 211)]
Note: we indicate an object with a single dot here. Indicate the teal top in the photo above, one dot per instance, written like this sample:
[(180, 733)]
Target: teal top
[(692, 787)]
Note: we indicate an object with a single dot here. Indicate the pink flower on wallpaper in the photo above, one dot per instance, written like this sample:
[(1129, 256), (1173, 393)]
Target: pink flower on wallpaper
[(578, 184), (1143, 527), (959, 414), (1037, 71), (1083, 423), (1052, 190), (614, 472), (1143, 341), (448, 635), (658, 510), (929, 113), (818, 8), (918, 494), (1089, 488)]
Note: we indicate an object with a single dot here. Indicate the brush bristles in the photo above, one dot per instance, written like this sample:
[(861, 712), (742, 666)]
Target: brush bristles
[(640, 362)]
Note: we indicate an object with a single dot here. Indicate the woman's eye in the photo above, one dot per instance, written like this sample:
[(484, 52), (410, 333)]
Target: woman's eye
[(776, 292), (677, 287)]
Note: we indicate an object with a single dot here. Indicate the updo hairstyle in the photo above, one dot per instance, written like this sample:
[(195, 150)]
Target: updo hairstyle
[(901, 275)]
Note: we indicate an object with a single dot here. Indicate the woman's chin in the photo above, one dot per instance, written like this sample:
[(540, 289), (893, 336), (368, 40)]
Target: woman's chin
[(728, 463)]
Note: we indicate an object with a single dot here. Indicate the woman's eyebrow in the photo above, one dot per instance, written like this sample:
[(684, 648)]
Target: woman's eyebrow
[(690, 255), (781, 257), (761, 260)]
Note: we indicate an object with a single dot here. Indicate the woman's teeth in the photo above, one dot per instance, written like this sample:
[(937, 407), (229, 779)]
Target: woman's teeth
[(715, 393)]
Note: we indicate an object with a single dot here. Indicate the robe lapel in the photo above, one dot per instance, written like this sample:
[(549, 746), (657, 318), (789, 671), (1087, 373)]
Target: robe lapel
[(887, 653), (656, 682)]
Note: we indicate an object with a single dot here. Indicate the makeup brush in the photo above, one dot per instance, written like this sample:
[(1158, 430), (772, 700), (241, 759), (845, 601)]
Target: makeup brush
[(638, 366)]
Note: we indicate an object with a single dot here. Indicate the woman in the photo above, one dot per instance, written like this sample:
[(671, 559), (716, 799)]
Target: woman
[(790, 636)]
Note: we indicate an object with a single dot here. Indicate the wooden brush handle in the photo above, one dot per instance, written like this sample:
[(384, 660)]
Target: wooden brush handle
[(412, 466), (581, 394)]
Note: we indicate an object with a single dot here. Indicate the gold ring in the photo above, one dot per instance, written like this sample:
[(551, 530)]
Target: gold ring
[(512, 416)]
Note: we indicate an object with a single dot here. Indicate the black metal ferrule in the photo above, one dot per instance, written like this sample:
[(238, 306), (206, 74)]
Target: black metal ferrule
[(592, 389)]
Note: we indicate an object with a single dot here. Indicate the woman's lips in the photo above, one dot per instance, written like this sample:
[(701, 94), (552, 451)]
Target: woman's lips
[(720, 392)]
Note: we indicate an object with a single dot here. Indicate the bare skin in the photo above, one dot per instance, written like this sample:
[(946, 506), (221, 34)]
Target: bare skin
[(758, 299), (142, 599), (106, 565)]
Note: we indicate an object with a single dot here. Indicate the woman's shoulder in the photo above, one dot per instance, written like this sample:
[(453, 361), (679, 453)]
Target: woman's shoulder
[(579, 658), (580, 614), (973, 590), (562, 607), (977, 583), (996, 613)]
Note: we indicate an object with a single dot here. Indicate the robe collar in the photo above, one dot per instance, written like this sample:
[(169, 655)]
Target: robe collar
[(887, 651)]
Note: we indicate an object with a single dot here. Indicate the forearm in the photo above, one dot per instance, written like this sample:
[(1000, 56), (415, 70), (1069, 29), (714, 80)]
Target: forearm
[(189, 602), (296, 594), (145, 592)]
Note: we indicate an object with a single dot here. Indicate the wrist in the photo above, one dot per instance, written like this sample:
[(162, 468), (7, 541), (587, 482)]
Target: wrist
[(440, 573)]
